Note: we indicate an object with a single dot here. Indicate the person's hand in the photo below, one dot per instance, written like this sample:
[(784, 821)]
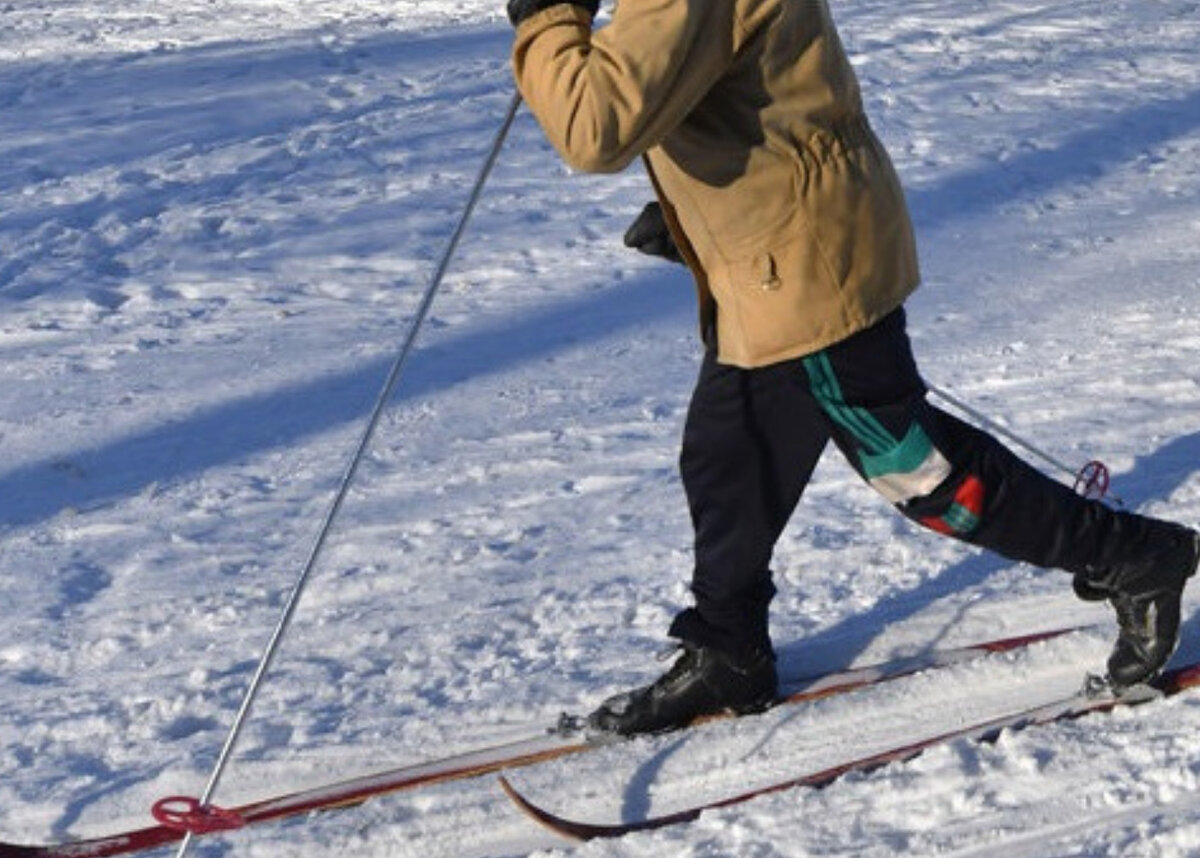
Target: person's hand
[(519, 10), (649, 234)]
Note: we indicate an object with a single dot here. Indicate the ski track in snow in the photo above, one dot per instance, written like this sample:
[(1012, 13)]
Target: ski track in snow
[(216, 221)]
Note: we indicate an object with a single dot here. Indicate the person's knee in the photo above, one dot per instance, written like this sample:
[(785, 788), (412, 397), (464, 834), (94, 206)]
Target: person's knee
[(954, 508)]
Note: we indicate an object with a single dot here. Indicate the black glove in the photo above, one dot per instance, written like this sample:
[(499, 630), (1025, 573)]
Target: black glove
[(519, 10), (649, 234)]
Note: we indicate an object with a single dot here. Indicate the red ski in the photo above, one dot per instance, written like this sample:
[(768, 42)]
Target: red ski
[(178, 815), (1075, 706)]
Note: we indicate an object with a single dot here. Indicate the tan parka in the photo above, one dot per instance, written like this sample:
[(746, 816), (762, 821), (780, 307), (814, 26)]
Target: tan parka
[(778, 193)]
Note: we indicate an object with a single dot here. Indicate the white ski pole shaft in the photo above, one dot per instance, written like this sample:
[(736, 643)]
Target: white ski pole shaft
[(385, 395), (995, 427)]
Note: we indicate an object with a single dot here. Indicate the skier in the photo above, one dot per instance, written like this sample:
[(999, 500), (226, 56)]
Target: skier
[(773, 189)]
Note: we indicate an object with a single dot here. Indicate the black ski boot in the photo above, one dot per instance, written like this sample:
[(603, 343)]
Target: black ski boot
[(1146, 596), (703, 681)]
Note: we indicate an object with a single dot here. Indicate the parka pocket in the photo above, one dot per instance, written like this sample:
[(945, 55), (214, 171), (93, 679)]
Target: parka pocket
[(760, 272), (776, 303)]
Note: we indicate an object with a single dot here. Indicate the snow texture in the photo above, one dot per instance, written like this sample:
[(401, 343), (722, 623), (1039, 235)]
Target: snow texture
[(217, 218)]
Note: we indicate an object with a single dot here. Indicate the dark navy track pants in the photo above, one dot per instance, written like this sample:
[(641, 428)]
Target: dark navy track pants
[(753, 437)]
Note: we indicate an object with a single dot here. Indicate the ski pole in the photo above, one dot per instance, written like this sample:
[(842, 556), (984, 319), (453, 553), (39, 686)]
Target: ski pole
[(202, 815), (1092, 480)]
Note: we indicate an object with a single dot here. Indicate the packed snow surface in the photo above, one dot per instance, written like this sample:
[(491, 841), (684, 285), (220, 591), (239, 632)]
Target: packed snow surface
[(217, 220)]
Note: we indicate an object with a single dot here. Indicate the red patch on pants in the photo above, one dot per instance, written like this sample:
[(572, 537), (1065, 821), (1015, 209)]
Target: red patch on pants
[(965, 510)]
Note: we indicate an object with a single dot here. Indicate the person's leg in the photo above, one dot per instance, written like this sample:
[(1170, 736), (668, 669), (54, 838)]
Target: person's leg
[(751, 441), (750, 444), (960, 481)]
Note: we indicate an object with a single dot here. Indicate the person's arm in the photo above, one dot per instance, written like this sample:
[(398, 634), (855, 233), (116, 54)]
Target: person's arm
[(604, 98)]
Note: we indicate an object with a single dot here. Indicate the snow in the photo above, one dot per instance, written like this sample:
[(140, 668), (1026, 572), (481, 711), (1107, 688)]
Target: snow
[(216, 221)]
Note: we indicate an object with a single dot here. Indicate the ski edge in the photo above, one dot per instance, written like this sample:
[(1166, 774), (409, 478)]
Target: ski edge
[(510, 755), (1074, 706), (318, 799)]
